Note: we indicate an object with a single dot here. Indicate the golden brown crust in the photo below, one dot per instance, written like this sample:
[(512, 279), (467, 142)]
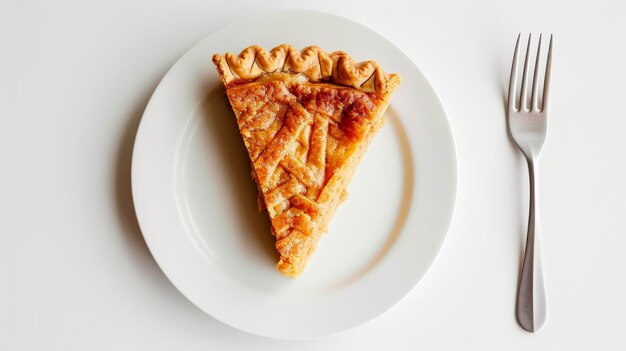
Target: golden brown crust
[(305, 135), (316, 64)]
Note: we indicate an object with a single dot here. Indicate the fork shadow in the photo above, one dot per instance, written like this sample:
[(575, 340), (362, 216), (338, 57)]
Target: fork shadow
[(520, 164)]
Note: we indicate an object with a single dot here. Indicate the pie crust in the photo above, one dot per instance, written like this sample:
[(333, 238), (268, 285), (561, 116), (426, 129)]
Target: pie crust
[(306, 118)]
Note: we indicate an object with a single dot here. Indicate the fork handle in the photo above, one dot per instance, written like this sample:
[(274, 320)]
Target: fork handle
[(531, 294)]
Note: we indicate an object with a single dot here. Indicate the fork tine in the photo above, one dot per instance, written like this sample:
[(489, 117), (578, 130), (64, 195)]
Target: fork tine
[(513, 79), (546, 81), (534, 95), (523, 103)]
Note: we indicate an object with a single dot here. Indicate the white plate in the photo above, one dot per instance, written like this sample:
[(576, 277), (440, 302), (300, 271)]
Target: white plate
[(196, 203)]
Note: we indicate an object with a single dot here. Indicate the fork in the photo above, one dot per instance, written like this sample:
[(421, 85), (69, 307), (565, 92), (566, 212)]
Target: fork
[(527, 123)]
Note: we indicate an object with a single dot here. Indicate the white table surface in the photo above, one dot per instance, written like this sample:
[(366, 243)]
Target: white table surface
[(75, 273)]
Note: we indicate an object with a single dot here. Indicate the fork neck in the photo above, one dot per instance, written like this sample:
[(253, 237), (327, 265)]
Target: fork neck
[(532, 174)]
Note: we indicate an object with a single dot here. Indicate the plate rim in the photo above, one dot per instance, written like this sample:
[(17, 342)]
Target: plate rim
[(453, 157)]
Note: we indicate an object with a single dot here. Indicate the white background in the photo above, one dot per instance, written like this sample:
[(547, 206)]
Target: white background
[(75, 273)]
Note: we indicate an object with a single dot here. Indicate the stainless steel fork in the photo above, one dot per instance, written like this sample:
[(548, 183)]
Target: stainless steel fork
[(527, 122)]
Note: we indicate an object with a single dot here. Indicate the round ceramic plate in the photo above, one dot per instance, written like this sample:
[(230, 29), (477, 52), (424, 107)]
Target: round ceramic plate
[(196, 202)]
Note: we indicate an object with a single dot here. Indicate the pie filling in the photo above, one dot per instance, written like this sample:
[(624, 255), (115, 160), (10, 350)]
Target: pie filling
[(305, 139)]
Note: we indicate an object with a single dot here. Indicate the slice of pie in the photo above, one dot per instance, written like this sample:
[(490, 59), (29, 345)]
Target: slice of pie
[(306, 118)]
